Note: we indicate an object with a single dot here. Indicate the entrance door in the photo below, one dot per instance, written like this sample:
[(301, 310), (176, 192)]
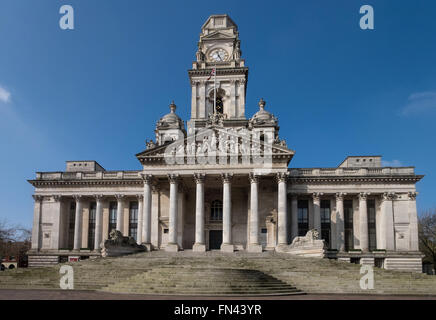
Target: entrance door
[(215, 239)]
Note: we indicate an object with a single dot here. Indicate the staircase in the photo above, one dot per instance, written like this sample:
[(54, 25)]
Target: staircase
[(216, 273)]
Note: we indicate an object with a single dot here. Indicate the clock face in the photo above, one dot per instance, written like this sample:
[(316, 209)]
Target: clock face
[(218, 55)]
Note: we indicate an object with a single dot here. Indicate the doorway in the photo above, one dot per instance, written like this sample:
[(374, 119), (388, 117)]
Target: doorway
[(215, 239)]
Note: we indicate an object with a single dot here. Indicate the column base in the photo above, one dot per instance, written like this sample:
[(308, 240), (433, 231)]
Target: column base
[(255, 248), (148, 246), (282, 247), (227, 247), (172, 247), (199, 247)]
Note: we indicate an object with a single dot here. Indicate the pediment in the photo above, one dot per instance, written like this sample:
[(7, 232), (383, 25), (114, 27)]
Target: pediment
[(218, 35), (232, 142)]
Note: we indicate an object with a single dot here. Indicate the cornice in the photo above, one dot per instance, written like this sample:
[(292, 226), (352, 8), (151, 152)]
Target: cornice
[(44, 183), (349, 179)]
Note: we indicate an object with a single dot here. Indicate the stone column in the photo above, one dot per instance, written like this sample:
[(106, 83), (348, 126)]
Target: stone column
[(78, 223), (363, 222), (146, 224), (172, 245), (120, 209), (254, 245), (387, 221), (36, 229), (333, 232), (140, 217), (294, 217), (340, 236), (413, 220), (227, 245), (200, 244), (317, 212), (98, 221), (282, 209)]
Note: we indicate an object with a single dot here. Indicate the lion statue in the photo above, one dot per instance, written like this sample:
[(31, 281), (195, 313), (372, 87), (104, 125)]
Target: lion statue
[(310, 237)]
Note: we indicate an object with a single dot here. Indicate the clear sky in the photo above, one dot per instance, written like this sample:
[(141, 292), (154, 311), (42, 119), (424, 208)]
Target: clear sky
[(96, 92)]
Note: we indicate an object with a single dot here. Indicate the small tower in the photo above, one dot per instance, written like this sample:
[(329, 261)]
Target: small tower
[(170, 127)]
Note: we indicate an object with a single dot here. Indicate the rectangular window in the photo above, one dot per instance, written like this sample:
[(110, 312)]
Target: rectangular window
[(303, 217), (112, 216), (325, 221), (91, 225), (348, 224), (71, 225), (133, 220), (372, 237)]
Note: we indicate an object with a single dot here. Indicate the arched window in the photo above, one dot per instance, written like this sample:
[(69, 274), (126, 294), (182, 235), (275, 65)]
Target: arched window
[(216, 210)]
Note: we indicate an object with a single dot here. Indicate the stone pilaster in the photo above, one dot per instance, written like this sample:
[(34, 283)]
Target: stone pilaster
[(120, 211), (254, 245), (413, 222), (294, 216), (340, 231), (317, 211), (98, 221), (363, 223), (387, 221), (200, 244), (146, 223), (227, 245), (172, 245), (78, 223), (139, 235), (36, 230), (282, 208)]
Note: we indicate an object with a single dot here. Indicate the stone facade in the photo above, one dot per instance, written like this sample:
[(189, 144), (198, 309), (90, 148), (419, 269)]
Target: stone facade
[(224, 182)]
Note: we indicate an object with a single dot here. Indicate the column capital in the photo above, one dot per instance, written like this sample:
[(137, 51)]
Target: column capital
[(199, 177), (173, 178), (119, 197), (317, 196), (37, 197), (253, 177), (282, 176), (412, 195), (57, 197), (98, 197), (148, 178), (77, 197), (227, 177), (388, 196), (364, 195), (340, 196), (140, 197)]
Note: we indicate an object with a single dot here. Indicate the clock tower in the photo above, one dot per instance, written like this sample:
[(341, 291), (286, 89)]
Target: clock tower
[(219, 49)]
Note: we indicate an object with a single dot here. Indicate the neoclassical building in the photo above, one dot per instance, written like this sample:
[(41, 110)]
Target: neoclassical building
[(226, 182)]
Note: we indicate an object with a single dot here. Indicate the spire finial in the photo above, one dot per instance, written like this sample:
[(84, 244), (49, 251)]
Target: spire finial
[(173, 107), (262, 103)]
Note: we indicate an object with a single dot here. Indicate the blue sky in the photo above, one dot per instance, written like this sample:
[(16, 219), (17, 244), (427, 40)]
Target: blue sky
[(96, 92)]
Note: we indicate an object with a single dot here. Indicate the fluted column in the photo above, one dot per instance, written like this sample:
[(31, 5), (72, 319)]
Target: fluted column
[(36, 229), (254, 245), (78, 223), (282, 209), (317, 212), (200, 244), (227, 244), (120, 209), (172, 239), (98, 221), (140, 218), (363, 221), (340, 236), (146, 223), (294, 217)]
